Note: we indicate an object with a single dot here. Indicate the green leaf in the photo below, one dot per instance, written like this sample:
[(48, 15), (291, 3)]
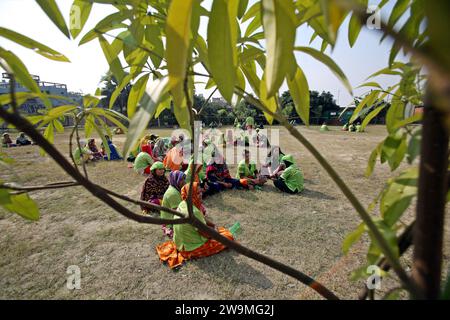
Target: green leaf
[(387, 71), (19, 70), (153, 36), (399, 9), (252, 11), (222, 49), (201, 47), (112, 59), (58, 126), (412, 119), (249, 70), (177, 42), (299, 89), (148, 105), (367, 101), (79, 13), (126, 80), (24, 206), (33, 45), (395, 114), (373, 159), (111, 22), (394, 149), (51, 9), (89, 125), (333, 15), (49, 136), (254, 25), (398, 195), (390, 237), (414, 146), (21, 97), (136, 93), (242, 7), (354, 29), (353, 237), (60, 111), (279, 23), (329, 63), (371, 84), (4, 194), (372, 115), (269, 102)]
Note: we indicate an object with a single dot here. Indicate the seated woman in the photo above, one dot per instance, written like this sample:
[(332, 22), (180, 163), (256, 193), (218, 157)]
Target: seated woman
[(22, 140), (324, 127), (189, 242), (174, 159), (7, 142), (289, 180), (273, 162), (172, 198), (83, 154), (114, 154), (162, 146), (142, 163), (217, 172), (154, 186), (96, 155), (247, 173), (345, 127)]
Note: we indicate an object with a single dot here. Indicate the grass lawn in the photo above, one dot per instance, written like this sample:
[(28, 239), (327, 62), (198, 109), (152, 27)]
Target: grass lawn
[(117, 256)]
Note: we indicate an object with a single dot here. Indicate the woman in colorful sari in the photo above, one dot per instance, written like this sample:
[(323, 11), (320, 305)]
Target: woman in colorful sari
[(96, 155), (289, 180), (114, 154), (174, 159), (155, 186), (172, 198), (189, 242), (143, 162), (217, 172), (247, 173)]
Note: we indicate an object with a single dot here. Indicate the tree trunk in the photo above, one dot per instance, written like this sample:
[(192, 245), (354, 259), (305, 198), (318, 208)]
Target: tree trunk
[(428, 232)]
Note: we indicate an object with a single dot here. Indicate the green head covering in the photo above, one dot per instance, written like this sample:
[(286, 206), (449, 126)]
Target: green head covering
[(288, 158), (157, 165)]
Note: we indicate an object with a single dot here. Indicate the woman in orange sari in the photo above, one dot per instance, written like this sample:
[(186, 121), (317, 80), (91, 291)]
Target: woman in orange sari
[(189, 242)]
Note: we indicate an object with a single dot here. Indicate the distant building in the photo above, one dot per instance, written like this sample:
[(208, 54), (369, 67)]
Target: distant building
[(32, 106)]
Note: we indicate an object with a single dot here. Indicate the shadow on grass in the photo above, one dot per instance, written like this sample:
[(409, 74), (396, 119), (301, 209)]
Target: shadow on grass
[(313, 194), (224, 266)]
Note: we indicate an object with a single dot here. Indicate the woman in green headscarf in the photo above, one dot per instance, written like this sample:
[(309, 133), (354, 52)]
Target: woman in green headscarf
[(289, 180), (155, 185)]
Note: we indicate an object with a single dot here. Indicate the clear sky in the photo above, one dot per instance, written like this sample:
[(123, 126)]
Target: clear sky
[(88, 63)]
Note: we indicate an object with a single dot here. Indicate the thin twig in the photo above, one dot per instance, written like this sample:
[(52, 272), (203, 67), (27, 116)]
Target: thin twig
[(206, 101)]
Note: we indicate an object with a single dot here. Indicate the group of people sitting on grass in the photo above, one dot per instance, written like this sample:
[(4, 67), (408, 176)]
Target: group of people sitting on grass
[(352, 127), (88, 151), (210, 175), (21, 140)]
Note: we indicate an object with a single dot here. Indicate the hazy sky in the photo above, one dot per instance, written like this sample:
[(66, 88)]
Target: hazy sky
[(88, 63)]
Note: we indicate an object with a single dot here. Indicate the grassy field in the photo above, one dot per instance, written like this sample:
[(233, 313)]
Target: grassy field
[(117, 257)]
